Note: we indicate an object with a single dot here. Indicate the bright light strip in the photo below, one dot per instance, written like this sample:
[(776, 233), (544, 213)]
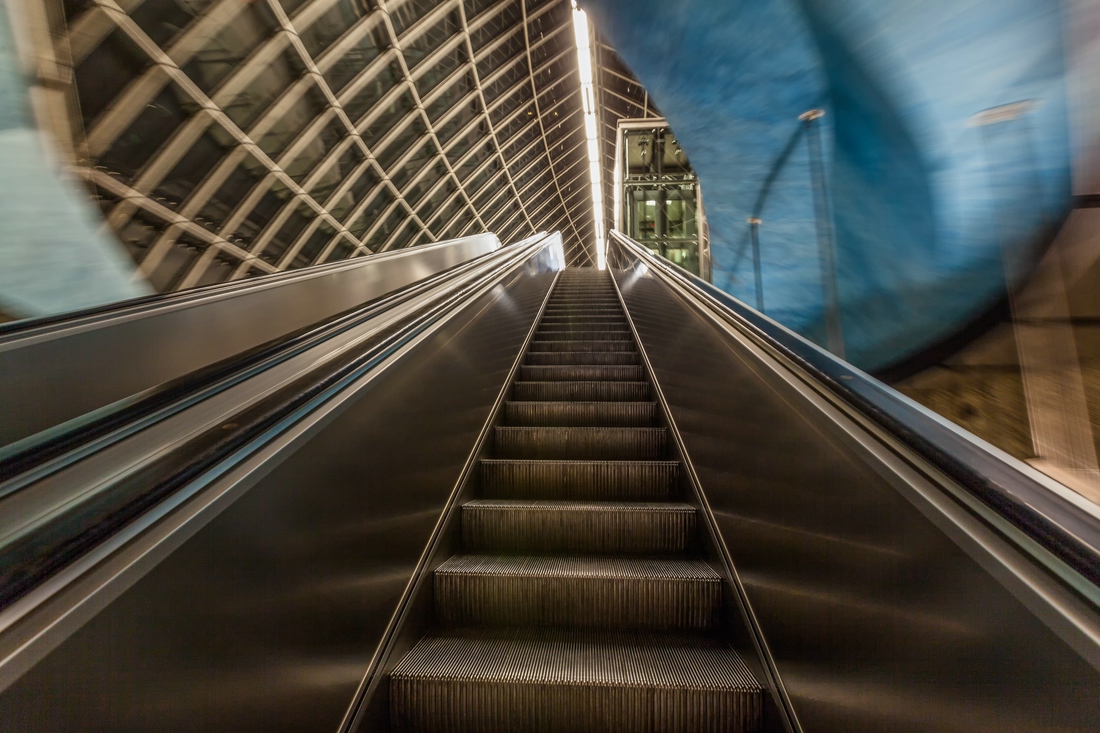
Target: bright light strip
[(591, 130)]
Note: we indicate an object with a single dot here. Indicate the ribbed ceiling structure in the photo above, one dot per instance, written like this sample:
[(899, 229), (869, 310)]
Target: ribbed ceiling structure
[(619, 95), (227, 139)]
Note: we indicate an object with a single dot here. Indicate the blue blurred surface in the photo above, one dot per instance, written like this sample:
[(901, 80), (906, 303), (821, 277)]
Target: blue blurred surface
[(923, 199), (54, 254)]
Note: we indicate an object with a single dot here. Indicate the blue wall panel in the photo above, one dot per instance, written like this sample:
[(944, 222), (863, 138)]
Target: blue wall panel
[(924, 200)]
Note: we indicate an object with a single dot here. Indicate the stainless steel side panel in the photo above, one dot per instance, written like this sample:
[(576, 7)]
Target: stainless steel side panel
[(267, 618), (879, 615), (59, 371)]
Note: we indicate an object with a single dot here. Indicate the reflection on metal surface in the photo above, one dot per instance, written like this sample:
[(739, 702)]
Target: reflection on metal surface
[(249, 626), (877, 618), (92, 361)]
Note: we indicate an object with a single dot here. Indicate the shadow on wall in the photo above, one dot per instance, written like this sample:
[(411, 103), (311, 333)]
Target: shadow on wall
[(54, 254), (932, 195)]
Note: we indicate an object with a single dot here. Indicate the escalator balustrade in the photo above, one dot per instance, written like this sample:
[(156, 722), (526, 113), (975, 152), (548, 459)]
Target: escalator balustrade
[(581, 601)]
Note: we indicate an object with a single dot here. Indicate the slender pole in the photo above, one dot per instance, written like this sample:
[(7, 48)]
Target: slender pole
[(826, 248), (754, 232)]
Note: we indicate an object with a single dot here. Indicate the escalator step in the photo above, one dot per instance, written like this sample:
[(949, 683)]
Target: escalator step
[(580, 373), (591, 480), (554, 681), (622, 334), (587, 391), (618, 324), (590, 591), (574, 345), (581, 414), (577, 526), (614, 444), (609, 358)]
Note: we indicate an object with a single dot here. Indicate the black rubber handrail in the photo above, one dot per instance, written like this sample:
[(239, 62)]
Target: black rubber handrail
[(202, 383), (1066, 530), (29, 560)]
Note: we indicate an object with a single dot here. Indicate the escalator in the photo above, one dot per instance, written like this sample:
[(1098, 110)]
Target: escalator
[(516, 496), (580, 601)]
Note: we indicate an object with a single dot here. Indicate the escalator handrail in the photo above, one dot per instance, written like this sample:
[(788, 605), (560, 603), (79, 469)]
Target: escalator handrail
[(1047, 513), (19, 328), (66, 537), (41, 448)]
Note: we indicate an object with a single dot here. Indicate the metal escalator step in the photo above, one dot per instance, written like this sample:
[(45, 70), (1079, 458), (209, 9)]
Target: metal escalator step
[(591, 591), (613, 334), (586, 480), (589, 373), (616, 325), (493, 525), (563, 681), (581, 414), (575, 345), (615, 444), (586, 391), (611, 358), (584, 315)]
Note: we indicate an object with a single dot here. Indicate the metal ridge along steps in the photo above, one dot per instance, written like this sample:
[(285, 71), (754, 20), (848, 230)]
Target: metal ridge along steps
[(579, 602)]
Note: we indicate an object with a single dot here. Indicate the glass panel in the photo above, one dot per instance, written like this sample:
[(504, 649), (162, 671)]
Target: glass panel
[(381, 235), (139, 234), (330, 26), (448, 98), (357, 58), (163, 20), (226, 50), (219, 269), (304, 110), (406, 14), (291, 5), (406, 236), (153, 127), (107, 71), (243, 179), (365, 99), (265, 89), (673, 159), (316, 150), (287, 234), (397, 147), (412, 166), (429, 179), (342, 251), (194, 166), (261, 214), (177, 262), (348, 161), (390, 115), (371, 212), (366, 182), (459, 121), (313, 246), (428, 41), (431, 204), (641, 151), (442, 69)]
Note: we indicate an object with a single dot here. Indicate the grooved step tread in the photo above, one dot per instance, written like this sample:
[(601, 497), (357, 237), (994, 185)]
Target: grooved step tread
[(587, 480), (588, 590), (586, 391), (605, 527), (580, 373), (580, 414), (553, 681), (581, 443)]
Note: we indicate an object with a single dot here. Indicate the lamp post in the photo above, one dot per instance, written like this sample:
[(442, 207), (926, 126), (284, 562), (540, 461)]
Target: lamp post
[(826, 248)]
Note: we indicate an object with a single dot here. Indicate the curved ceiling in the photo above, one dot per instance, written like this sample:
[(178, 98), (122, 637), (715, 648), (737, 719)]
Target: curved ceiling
[(226, 139), (932, 196)]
